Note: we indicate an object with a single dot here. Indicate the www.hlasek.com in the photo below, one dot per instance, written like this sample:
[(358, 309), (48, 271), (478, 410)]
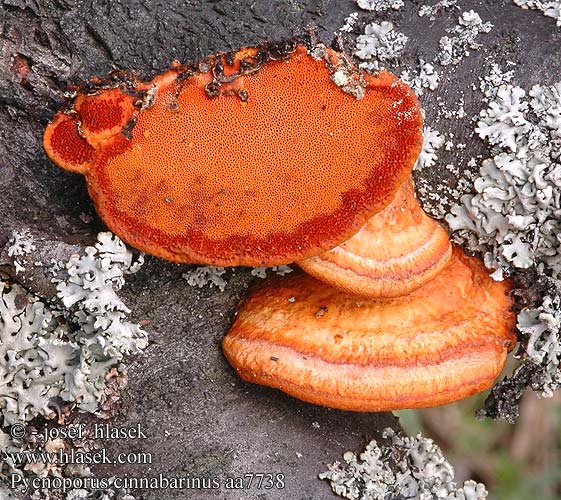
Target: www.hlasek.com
[(62, 457), (159, 482)]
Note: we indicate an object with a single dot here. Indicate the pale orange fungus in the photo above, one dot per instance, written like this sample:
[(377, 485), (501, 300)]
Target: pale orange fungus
[(443, 342), (397, 251), (251, 158)]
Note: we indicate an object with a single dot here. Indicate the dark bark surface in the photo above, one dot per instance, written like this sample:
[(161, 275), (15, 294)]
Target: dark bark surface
[(202, 421)]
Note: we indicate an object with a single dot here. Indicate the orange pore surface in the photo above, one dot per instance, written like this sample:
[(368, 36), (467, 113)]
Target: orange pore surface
[(293, 170)]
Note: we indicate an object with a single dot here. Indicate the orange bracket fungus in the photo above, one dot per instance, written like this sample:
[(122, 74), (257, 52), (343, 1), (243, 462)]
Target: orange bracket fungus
[(397, 251), (264, 156), (440, 343), (280, 153)]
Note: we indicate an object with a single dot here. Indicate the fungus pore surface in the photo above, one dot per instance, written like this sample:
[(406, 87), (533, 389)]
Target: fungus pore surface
[(397, 251), (261, 157), (441, 343)]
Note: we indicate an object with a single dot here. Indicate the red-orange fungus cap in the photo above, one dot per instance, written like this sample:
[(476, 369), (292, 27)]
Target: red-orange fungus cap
[(250, 158), (65, 146), (441, 343), (104, 115)]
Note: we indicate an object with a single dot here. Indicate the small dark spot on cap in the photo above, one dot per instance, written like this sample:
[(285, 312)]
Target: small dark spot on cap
[(127, 129), (213, 89), (230, 58), (218, 69), (321, 312)]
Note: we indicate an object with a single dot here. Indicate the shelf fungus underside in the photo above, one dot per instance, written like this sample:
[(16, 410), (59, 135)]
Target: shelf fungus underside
[(208, 163)]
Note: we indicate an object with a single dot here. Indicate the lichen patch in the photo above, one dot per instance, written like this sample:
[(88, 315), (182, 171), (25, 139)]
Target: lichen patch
[(418, 469)]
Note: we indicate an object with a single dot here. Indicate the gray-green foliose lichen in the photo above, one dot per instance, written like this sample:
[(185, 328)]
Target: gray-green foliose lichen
[(380, 5), (401, 467), (514, 220), (213, 276), (62, 349), (380, 44), (550, 8), (516, 210), (65, 348)]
